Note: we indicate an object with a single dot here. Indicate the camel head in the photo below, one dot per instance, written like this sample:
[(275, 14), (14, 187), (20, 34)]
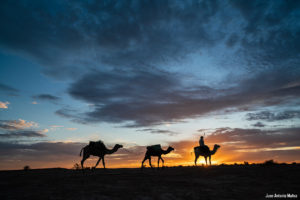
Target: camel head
[(170, 149), (216, 146), (117, 146)]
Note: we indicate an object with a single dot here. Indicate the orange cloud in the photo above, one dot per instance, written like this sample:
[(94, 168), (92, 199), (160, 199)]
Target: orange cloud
[(71, 129), (4, 105), (17, 124)]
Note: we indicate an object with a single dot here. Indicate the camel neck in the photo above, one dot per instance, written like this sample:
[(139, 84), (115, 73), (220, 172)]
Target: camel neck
[(214, 151), (165, 151), (110, 151)]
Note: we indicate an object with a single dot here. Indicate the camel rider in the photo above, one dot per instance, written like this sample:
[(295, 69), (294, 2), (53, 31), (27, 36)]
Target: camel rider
[(201, 142)]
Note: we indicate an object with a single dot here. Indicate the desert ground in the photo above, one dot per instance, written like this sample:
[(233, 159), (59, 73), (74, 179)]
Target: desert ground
[(214, 182)]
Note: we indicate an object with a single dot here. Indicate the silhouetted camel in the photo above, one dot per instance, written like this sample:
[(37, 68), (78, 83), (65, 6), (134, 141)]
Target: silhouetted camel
[(97, 149), (156, 150), (205, 151)]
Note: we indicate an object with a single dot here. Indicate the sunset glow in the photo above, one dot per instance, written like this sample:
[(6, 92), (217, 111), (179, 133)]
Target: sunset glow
[(140, 73)]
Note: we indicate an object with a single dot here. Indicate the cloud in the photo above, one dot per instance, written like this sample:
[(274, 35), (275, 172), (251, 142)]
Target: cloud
[(71, 129), (144, 98), (8, 89), (121, 58), (44, 148), (259, 124), (20, 128), (23, 133), (237, 145), (159, 131), (45, 130), (140, 35), (269, 116), (67, 112), (34, 102), (16, 124), (266, 30), (65, 154), (77, 36), (46, 97), (119, 98), (204, 130), (41, 154), (256, 138), (4, 105), (56, 126)]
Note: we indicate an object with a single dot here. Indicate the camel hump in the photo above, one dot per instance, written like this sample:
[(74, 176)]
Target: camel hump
[(155, 147), (205, 148), (97, 145)]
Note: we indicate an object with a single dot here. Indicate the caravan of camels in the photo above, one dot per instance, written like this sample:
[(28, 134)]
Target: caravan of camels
[(99, 149)]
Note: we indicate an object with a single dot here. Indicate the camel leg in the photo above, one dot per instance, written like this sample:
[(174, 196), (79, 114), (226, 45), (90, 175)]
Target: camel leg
[(85, 156), (163, 162), (158, 162), (209, 160), (103, 162), (150, 162), (97, 163), (196, 158), (205, 160), (144, 161)]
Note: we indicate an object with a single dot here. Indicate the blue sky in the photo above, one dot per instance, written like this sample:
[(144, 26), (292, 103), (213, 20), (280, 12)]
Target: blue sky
[(147, 72)]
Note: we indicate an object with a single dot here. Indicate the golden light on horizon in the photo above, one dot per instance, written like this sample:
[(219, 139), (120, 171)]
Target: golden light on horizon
[(183, 155)]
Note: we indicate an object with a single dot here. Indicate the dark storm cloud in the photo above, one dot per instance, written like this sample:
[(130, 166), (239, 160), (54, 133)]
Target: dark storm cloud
[(69, 35), (124, 86), (46, 97), (271, 31), (143, 98), (135, 32), (119, 52), (232, 40), (22, 133), (270, 116)]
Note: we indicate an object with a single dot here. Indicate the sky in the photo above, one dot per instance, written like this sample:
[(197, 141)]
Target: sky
[(139, 73)]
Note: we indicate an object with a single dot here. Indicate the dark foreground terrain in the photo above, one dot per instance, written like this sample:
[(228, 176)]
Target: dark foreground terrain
[(216, 182)]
